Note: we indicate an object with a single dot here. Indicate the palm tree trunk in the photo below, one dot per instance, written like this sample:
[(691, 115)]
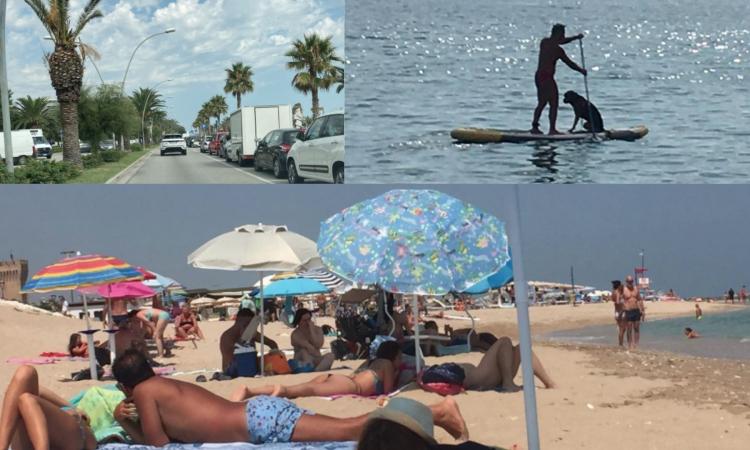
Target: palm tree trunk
[(69, 120), (239, 98), (315, 106)]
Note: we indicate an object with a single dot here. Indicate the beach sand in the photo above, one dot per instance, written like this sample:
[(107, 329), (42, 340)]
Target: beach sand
[(606, 398)]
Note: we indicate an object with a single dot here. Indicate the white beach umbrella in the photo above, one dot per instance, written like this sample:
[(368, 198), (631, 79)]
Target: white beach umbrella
[(259, 248)]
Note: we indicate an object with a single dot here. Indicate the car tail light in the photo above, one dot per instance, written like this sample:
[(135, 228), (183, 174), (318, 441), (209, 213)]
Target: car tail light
[(285, 148)]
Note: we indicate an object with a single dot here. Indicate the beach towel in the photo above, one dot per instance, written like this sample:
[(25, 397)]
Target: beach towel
[(99, 403), (42, 360), (54, 354), (241, 446)]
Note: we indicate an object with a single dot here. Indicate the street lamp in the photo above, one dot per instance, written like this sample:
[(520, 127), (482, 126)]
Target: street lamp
[(4, 98), (143, 115), (167, 31)]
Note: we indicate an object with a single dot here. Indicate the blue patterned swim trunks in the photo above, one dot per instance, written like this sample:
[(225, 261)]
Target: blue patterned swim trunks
[(271, 419)]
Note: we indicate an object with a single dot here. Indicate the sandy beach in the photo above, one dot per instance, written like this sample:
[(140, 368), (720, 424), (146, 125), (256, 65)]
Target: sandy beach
[(606, 398)]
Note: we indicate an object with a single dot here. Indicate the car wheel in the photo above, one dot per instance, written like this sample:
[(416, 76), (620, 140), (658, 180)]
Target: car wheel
[(257, 166), (278, 172), (292, 175), (162, 153), (22, 160), (49, 156), (241, 161), (338, 175), (184, 152)]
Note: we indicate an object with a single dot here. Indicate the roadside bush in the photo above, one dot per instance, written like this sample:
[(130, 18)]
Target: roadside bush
[(41, 172), (93, 160), (136, 148), (110, 155)]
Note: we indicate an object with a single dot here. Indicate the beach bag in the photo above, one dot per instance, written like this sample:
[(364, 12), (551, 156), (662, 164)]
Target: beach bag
[(443, 379), (275, 363)]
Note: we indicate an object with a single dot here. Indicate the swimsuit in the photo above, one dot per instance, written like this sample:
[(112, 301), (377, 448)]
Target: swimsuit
[(163, 315), (379, 388), (633, 315), (119, 319), (272, 419)]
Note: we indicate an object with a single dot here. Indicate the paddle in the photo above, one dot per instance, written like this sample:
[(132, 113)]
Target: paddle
[(586, 84)]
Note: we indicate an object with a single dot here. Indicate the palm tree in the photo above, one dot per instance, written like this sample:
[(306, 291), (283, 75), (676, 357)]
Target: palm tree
[(239, 81), (66, 64), (31, 112), (148, 102), (217, 106), (313, 59)]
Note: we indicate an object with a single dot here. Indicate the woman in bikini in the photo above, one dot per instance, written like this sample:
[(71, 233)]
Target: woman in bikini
[(186, 325), (499, 367), (156, 320), (35, 417), (377, 377)]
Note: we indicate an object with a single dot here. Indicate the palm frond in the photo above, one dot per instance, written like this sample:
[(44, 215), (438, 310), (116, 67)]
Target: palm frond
[(89, 13)]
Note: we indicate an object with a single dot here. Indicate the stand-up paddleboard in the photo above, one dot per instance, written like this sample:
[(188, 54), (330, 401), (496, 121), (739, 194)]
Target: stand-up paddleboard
[(488, 135)]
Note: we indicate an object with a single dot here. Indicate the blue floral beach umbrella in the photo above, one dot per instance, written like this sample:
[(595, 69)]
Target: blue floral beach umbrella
[(414, 242)]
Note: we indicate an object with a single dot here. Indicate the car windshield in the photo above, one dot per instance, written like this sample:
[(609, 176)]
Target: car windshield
[(39, 140), (289, 137), (172, 136), (110, 142)]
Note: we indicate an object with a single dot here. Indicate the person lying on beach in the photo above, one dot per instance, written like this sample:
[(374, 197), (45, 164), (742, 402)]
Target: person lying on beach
[(403, 423), (171, 410), (243, 329), (307, 340), (186, 325), (698, 312), (691, 334), (35, 417), (376, 377), (77, 346), (156, 320), (499, 367)]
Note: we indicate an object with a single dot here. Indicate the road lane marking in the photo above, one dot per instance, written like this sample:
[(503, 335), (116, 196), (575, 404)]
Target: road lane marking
[(211, 158)]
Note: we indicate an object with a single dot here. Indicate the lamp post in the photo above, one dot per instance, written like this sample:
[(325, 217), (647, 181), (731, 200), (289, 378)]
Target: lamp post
[(4, 94), (167, 31), (143, 114)]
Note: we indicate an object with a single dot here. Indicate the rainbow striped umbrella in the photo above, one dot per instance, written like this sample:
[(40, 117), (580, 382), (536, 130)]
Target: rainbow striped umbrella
[(83, 272)]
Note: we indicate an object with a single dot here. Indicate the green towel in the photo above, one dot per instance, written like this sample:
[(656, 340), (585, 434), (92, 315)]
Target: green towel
[(99, 403)]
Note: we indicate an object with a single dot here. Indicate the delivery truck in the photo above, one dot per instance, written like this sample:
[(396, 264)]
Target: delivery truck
[(250, 124), (23, 146)]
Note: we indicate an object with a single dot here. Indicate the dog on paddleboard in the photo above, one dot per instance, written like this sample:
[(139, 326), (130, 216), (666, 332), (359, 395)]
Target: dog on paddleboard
[(581, 109)]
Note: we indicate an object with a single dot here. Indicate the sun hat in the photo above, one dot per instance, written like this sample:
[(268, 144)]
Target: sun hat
[(410, 414)]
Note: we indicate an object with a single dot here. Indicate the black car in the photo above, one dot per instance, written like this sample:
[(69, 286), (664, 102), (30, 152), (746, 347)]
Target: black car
[(270, 154)]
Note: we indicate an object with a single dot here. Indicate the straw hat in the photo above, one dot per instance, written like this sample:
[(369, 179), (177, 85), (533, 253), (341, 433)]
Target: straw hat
[(410, 414)]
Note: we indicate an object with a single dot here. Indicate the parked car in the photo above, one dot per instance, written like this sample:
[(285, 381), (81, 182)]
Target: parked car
[(107, 144), (271, 151), (204, 144), (173, 143), (215, 144), (85, 147), (224, 145), (318, 154)]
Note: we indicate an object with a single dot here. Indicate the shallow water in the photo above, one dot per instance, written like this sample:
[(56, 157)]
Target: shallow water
[(417, 69), (723, 335)]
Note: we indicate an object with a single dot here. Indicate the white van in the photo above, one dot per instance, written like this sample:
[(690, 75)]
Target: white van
[(23, 146), (248, 125), (43, 148)]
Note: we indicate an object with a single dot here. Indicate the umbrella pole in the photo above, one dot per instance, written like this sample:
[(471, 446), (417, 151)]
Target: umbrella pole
[(417, 348), (89, 340), (524, 329), (262, 319), (471, 331), (111, 334)]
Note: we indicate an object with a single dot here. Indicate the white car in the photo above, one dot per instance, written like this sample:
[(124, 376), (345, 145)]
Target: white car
[(319, 153), (42, 148), (173, 143)]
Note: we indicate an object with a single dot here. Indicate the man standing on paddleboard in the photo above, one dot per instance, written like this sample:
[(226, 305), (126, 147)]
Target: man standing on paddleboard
[(546, 87)]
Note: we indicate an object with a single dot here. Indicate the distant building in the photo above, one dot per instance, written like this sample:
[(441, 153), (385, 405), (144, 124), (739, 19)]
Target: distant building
[(13, 275)]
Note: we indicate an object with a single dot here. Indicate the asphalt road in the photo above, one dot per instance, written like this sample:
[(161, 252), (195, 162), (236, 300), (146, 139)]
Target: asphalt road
[(193, 168)]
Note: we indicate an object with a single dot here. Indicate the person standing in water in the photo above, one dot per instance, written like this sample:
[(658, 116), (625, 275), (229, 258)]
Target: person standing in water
[(698, 312), (546, 87), (634, 312)]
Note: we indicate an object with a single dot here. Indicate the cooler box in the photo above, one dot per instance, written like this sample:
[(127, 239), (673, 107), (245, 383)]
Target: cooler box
[(246, 361)]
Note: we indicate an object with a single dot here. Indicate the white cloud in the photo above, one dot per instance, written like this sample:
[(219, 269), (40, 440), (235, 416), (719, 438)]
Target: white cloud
[(211, 34)]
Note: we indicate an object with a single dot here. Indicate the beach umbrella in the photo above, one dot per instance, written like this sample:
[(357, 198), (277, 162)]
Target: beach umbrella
[(328, 279), (294, 286), (201, 302), (260, 248), (494, 281), (419, 242), (82, 272)]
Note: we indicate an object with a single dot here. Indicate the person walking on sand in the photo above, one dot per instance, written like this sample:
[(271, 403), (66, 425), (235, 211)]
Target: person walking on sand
[(730, 295), (743, 294), (546, 87), (698, 312), (634, 312)]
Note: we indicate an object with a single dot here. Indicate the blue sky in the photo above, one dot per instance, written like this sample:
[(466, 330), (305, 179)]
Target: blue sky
[(211, 34), (695, 236)]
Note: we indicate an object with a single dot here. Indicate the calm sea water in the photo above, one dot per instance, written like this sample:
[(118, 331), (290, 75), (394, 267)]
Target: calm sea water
[(417, 69), (723, 335)]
